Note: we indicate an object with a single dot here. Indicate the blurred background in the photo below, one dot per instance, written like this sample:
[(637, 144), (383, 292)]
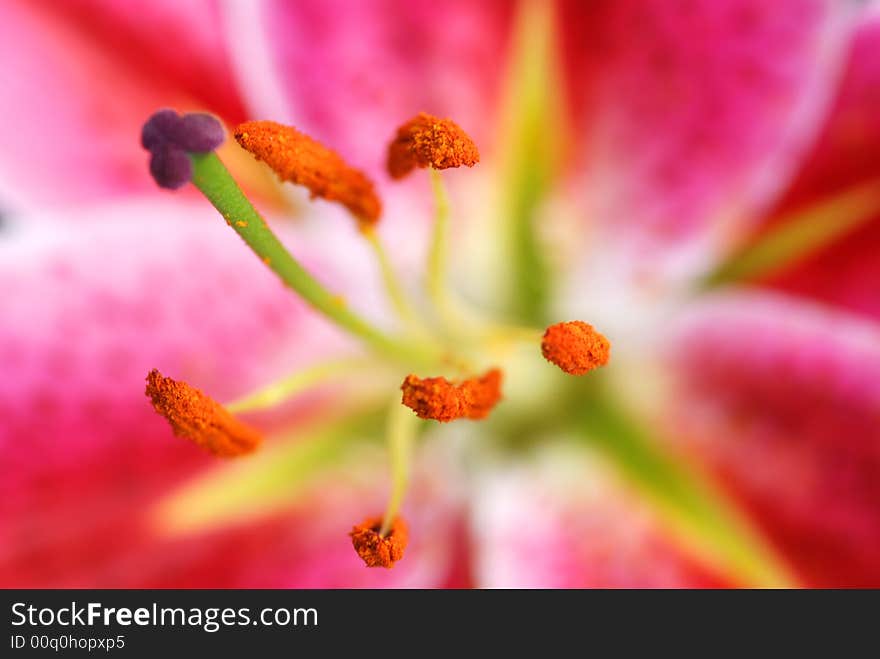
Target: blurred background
[(696, 178)]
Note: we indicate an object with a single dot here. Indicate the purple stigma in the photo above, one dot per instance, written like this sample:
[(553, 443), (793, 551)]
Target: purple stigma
[(159, 128), (199, 133), (170, 138), (170, 166)]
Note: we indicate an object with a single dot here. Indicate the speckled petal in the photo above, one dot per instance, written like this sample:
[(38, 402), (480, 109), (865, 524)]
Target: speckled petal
[(847, 271), (349, 73), (92, 301), (80, 77), (781, 399), (691, 114)]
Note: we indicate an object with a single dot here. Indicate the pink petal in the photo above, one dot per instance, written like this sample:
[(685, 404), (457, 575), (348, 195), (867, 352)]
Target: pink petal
[(90, 309), (847, 271), (79, 79), (847, 149), (91, 302), (570, 523), (781, 400), (350, 73), (694, 113), (319, 550), (306, 546)]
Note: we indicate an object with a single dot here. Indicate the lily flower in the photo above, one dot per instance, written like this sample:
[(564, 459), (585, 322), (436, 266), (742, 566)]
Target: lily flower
[(544, 294)]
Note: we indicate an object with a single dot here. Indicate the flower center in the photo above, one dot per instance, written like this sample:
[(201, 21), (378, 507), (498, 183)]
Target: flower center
[(444, 344)]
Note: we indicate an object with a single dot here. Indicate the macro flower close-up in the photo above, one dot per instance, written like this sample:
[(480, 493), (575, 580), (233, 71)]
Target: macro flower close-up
[(406, 294)]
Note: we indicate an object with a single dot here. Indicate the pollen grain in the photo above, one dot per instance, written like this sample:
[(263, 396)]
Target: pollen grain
[(427, 141), (300, 159), (575, 347), (375, 550), (441, 400), (197, 417)]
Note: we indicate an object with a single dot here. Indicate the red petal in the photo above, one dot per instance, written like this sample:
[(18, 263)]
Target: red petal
[(691, 114), (350, 73), (782, 400), (81, 77), (847, 271)]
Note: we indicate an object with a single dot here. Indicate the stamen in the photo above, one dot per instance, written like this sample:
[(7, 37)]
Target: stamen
[(444, 401), (481, 394), (377, 550), (393, 286), (170, 139), (432, 398), (401, 433), (575, 347), (196, 416), (437, 256), (427, 141), (277, 392), (298, 158)]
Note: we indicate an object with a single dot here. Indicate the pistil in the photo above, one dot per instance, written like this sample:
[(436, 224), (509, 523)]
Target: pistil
[(182, 151), (428, 142)]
